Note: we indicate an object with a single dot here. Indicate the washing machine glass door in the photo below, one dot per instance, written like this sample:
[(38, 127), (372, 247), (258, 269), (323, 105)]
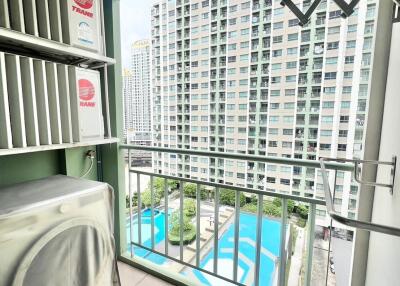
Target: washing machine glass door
[(77, 252)]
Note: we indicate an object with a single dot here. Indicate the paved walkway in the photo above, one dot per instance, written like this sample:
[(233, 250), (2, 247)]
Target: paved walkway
[(295, 265)]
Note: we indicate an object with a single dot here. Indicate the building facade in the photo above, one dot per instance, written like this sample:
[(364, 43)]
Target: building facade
[(137, 96), (242, 76)]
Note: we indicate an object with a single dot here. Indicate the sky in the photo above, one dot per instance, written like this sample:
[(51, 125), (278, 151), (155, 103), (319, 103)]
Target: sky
[(135, 25)]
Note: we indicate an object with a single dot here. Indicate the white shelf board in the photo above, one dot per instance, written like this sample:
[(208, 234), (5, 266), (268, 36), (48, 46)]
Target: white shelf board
[(14, 151), (28, 45)]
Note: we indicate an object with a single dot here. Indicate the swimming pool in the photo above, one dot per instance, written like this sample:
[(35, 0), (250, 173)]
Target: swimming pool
[(270, 240), (159, 234), (247, 236)]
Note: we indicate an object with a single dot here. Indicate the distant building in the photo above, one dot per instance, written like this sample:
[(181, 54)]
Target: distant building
[(137, 97)]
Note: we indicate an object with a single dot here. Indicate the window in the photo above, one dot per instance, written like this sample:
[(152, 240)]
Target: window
[(333, 45), (293, 37), (335, 14), (346, 89), (276, 66), (291, 65), (330, 75), (331, 61), (349, 60), (328, 104), (276, 53), (327, 119), (278, 25), (333, 30), (345, 104), (344, 119), (352, 28), (351, 44), (348, 75), (293, 22), (277, 39), (291, 51)]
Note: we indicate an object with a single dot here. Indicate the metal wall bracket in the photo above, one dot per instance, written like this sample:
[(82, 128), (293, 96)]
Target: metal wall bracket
[(357, 170), (353, 222), (304, 18)]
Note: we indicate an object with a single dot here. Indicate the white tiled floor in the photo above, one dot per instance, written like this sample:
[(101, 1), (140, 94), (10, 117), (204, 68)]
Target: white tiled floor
[(134, 277)]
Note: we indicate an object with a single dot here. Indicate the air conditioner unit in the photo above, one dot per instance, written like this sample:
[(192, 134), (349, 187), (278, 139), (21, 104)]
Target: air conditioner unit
[(57, 231), (81, 23), (86, 107)]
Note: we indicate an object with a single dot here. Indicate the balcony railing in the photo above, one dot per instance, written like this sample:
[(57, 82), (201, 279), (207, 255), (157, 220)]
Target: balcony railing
[(145, 242)]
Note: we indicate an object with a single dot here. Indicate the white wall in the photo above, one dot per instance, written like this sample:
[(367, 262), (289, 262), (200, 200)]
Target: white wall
[(384, 251)]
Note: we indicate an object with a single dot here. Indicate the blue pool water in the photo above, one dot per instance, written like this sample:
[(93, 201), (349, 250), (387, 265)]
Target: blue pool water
[(247, 237), (159, 234)]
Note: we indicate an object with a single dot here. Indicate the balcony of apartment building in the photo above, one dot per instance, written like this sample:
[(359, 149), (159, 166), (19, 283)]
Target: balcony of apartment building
[(178, 229)]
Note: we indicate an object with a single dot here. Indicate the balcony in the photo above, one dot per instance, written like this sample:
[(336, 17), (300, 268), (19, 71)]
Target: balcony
[(171, 194)]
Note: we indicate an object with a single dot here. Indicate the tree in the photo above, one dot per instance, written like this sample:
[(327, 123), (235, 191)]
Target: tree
[(189, 190), (189, 207), (227, 197), (302, 211), (146, 198), (189, 230), (290, 204), (270, 209)]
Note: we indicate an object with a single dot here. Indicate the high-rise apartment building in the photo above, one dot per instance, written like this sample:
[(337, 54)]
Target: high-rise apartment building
[(242, 76), (137, 95)]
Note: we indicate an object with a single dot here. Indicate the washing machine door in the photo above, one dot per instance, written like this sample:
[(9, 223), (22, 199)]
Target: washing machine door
[(76, 252)]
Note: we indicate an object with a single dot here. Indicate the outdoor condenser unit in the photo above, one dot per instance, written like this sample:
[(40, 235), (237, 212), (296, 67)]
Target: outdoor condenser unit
[(57, 231), (86, 107), (81, 23)]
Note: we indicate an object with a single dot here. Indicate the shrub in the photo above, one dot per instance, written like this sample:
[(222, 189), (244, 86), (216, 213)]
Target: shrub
[(270, 209), (146, 198), (190, 189), (301, 222), (252, 208), (302, 211), (189, 207), (290, 206), (227, 197), (189, 230)]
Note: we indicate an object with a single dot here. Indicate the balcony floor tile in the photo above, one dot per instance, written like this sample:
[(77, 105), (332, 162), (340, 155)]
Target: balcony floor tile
[(131, 276)]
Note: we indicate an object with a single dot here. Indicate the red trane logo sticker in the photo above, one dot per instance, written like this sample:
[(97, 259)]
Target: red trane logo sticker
[(86, 93), (84, 4)]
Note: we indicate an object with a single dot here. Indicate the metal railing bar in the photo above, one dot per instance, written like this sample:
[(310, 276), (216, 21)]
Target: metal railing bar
[(265, 159), (130, 201), (152, 211), (236, 236), (198, 225), (139, 210), (330, 233), (187, 264), (310, 244), (181, 220), (235, 188), (216, 229), (282, 263), (347, 221), (258, 240), (166, 211)]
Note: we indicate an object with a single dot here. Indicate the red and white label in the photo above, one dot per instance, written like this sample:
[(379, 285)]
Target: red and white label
[(84, 4), (86, 93)]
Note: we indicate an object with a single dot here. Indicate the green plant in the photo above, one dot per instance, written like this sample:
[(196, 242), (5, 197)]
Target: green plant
[(302, 211), (290, 204), (189, 231), (146, 198), (301, 222), (190, 190), (227, 197), (270, 209), (189, 207), (252, 208)]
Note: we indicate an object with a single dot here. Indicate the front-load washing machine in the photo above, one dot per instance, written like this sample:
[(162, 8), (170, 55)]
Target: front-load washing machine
[(57, 231)]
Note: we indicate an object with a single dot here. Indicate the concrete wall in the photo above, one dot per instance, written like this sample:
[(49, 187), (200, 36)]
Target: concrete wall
[(384, 250)]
